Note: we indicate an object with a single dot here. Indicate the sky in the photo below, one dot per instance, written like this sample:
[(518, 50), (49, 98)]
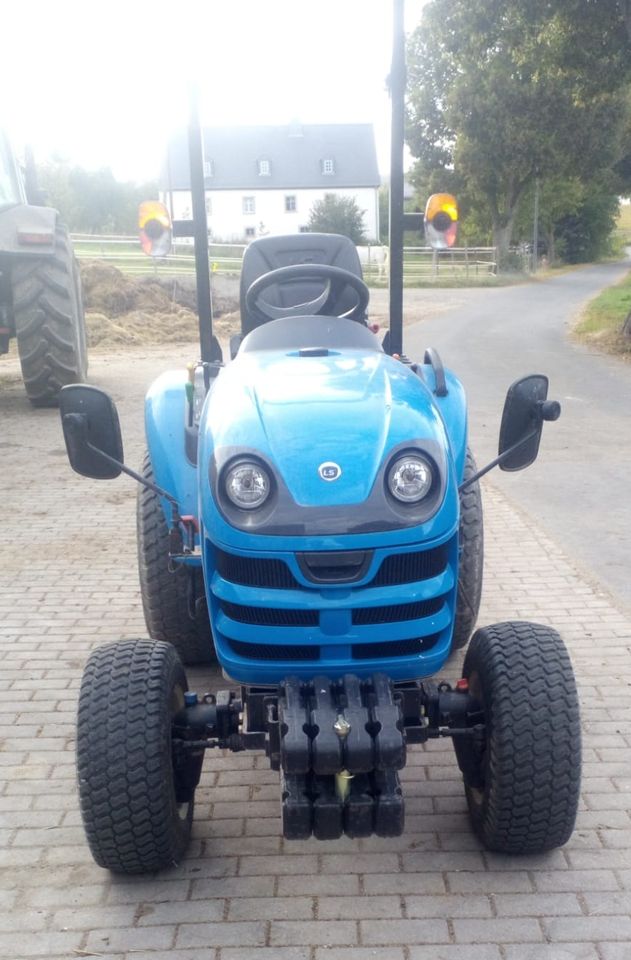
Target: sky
[(103, 85)]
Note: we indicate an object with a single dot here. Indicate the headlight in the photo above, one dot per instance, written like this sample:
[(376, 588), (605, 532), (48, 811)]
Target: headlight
[(410, 478), (247, 484)]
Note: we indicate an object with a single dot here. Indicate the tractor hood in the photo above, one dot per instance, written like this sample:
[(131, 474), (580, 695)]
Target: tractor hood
[(327, 428)]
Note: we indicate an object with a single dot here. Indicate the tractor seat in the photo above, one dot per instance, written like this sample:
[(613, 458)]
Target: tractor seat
[(270, 253)]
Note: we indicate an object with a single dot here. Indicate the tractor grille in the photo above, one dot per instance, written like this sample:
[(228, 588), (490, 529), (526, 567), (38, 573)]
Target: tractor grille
[(276, 575), (410, 567), (393, 648), (267, 651), (270, 617), (255, 571), (365, 616)]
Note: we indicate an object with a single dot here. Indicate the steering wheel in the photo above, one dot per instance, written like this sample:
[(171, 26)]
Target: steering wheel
[(335, 280)]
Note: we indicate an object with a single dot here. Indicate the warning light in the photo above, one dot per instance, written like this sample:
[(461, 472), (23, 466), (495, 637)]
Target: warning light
[(154, 224), (441, 221)]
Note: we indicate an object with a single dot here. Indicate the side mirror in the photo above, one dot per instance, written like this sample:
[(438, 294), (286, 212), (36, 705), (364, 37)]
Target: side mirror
[(91, 428), (525, 409)]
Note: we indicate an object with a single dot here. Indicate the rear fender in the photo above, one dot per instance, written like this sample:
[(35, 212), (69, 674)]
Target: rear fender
[(165, 421), (34, 225)]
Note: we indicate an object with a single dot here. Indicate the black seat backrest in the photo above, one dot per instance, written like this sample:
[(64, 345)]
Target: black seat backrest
[(270, 253)]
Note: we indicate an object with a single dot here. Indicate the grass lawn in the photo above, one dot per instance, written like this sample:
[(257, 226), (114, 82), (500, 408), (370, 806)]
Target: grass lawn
[(601, 322)]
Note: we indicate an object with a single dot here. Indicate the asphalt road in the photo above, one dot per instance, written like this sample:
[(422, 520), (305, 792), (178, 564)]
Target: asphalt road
[(578, 489)]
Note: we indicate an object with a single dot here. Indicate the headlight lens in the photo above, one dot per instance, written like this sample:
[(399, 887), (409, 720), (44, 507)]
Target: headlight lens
[(410, 478), (247, 484)]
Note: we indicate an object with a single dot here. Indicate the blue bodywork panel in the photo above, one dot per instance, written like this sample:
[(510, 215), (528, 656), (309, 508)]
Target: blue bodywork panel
[(355, 408)]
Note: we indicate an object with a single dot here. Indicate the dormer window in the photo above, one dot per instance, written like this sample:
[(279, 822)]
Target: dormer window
[(265, 168), (209, 168), (328, 166)]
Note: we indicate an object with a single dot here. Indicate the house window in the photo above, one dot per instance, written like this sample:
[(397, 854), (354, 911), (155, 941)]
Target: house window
[(304, 229), (290, 203), (265, 168), (209, 206), (209, 168), (250, 231), (328, 167), (249, 205)]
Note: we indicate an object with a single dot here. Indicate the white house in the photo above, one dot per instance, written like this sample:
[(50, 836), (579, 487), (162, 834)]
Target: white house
[(265, 180)]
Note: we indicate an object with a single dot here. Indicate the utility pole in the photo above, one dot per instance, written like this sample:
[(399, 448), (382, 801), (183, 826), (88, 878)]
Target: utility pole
[(535, 228)]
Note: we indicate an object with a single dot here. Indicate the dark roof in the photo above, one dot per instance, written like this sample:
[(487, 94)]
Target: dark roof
[(295, 154)]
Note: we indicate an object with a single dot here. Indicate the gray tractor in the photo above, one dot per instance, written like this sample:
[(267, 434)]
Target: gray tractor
[(40, 287)]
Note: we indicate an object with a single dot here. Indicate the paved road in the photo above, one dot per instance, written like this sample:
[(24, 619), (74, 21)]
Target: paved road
[(579, 487), (68, 584)]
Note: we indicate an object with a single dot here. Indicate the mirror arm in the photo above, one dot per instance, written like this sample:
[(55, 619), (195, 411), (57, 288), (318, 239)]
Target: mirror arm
[(136, 476), (494, 463)]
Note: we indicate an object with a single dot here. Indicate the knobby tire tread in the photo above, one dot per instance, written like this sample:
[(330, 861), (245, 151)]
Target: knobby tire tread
[(124, 764), (165, 594), (532, 762), (49, 321), (470, 560)]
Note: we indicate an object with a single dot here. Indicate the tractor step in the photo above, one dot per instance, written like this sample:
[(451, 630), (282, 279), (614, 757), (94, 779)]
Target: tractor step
[(329, 806)]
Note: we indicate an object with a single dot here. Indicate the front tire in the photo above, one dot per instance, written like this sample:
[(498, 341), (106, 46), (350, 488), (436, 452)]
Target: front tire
[(127, 780), (166, 598), (470, 558), (49, 321), (523, 787)]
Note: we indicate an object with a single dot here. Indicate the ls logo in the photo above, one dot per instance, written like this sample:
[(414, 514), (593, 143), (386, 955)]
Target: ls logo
[(329, 471)]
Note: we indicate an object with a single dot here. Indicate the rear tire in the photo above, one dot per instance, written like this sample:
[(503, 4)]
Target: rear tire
[(127, 782), (523, 794), (470, 559), (165, 595), (49, 321)]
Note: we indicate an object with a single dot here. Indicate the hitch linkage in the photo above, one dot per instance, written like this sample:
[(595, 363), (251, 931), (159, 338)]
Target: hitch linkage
[(338, 744)]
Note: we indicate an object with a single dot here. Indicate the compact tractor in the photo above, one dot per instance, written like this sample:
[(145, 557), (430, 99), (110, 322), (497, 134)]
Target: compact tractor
[(40, 287), (310, 516)]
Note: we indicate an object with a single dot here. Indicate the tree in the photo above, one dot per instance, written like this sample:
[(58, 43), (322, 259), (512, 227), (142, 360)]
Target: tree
[(502, 91), (338, 215), (93, 201)]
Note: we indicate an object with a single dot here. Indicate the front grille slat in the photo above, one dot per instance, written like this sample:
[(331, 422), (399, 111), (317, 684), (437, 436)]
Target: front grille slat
[(269, 617), (275, 574), (411, 567), (255, 571), (393, 648), (268, 651), (366, 616)]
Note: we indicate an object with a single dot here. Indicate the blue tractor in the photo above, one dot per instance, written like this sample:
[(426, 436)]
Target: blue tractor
[(309, 515)]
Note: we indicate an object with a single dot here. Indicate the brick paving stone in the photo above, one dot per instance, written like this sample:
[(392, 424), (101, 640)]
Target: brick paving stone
[(389, 932), (589, 928), (270, 908), (243, 893), (266, 953), (360, 953), (307, 932), (551, 951), (497, 930), (358, 908), (453, 952)]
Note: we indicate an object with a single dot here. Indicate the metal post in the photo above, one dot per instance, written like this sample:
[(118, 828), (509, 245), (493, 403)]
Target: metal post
[(397, 94), (535, 229), (200, 234)]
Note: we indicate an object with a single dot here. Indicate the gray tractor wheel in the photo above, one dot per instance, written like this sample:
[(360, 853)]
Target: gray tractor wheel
[(129, 787), (166, 596), (522, 781), (49, 321), (471, 559)]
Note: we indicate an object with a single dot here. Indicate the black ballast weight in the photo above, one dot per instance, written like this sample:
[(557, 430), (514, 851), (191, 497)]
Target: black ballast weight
[(338, 744)]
